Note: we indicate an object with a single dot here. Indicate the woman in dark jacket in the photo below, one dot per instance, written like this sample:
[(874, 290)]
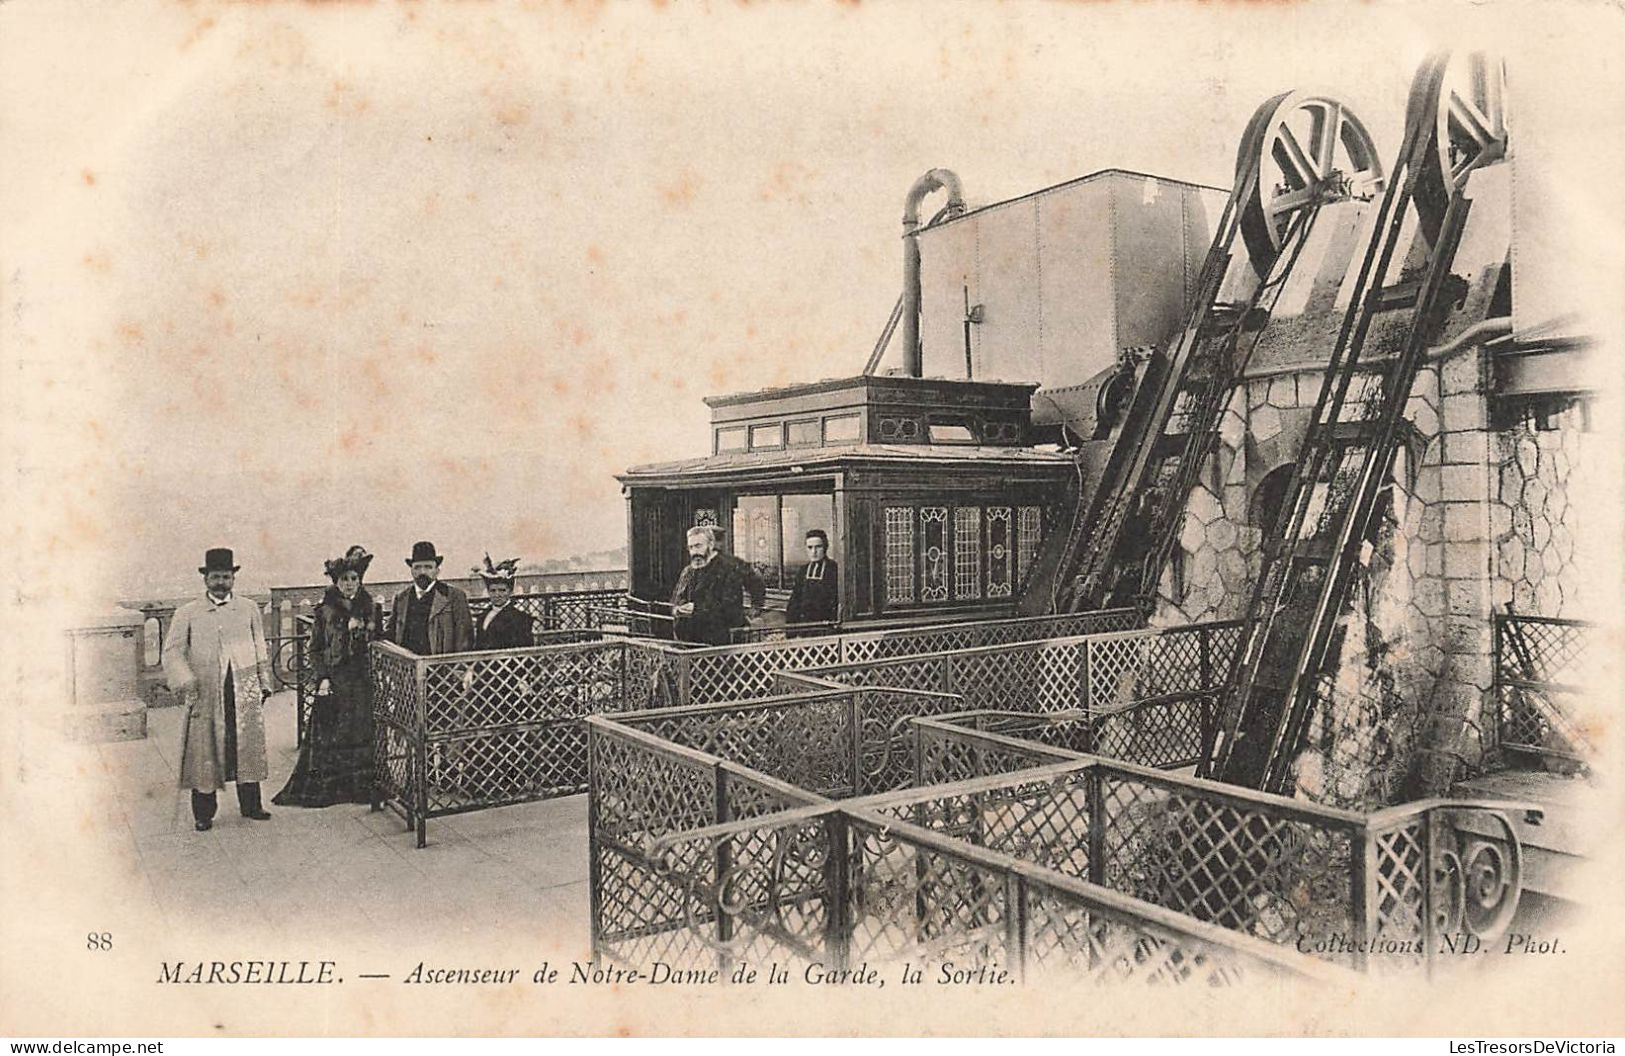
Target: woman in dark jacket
[(335, 763)]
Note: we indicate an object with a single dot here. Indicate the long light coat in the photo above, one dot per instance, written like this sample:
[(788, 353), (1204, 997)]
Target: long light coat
[(204, 638)]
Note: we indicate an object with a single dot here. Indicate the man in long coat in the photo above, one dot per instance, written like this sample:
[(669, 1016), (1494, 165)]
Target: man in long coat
[(216, 661), (707, 599)]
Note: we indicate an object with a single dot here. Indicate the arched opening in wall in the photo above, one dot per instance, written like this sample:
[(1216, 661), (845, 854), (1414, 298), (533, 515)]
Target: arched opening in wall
[(1269, 498), (1265, 506)]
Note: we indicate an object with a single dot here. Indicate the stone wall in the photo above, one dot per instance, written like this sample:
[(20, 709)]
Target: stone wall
[(1540, 480), (1392, 655), (1476, 517)]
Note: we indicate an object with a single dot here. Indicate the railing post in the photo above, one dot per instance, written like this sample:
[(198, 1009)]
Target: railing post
[(838, 923), (922, 737), (595, 878), (724, 862), (1097, 826), (1362, 887), (1430, 941), (1209, 704), (420, 793), (1086, 699), (1496, 696), (1015, 924), (1204, 671), (854, 713)]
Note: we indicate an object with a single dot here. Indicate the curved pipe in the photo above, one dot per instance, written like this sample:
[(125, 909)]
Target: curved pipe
[(1479, 333), (935, 179)]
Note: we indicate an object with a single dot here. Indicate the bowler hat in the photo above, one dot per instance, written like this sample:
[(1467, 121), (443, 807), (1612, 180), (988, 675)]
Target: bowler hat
[(424, 551), (218, 559)]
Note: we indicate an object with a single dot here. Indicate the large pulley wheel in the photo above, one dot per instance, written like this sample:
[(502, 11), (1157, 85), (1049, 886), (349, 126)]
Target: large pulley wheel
[(1462, 100), (1306, 149)]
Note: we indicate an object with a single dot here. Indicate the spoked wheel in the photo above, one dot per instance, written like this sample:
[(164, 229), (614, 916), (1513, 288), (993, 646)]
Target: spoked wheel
[(1464, 100), (1307, 149)]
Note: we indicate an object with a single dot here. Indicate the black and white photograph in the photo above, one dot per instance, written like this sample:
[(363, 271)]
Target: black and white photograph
[(811, 519)]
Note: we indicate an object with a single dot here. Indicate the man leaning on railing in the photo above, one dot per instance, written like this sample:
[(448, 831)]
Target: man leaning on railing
[(707, 600)]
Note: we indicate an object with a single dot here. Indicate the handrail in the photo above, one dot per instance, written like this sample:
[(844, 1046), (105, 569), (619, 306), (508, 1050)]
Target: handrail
[(754, 704), (921, 629)]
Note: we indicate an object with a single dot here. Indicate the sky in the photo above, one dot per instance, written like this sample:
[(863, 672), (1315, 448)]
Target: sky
[(286, 277)]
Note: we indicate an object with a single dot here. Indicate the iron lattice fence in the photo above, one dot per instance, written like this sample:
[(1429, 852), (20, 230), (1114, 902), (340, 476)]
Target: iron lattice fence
[(836, 885), (823, 738), (560, 611), (742, 672), (1032, 854), (466, 731), (1167, 674), (1540, 667), (1354, 888)]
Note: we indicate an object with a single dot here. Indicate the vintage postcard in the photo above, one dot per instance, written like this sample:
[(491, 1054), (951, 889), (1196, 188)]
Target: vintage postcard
[(572, 518)]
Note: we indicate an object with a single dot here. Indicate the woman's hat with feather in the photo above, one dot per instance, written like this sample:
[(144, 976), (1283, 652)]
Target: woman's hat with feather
[(501, 572), (356, 559)]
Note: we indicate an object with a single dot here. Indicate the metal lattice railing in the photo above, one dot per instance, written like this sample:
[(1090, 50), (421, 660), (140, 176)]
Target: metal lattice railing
[(742, 672), (803, 739), (1096, 672), (561, 611), (466, 731), (1345, 886), (1032, 855), (1540, 668), (835, 887)]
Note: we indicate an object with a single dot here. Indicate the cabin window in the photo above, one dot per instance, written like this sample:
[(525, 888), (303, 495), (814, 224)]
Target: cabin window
[(934, 551), (936, 554), (1029, 533), (802, 434), (770, 531), (1000, 555), (899, 554), (841, 429), (950, 433), (967, 552), (766, 437), (730, 439)]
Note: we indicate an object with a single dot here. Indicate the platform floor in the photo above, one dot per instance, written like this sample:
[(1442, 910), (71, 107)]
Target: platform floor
[(336, 873)]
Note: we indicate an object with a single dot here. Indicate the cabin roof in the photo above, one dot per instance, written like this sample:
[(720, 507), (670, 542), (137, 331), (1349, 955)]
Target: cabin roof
[(828, 457)]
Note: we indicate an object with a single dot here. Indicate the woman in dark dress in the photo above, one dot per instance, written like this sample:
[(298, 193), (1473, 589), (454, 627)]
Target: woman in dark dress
[(335, 763)]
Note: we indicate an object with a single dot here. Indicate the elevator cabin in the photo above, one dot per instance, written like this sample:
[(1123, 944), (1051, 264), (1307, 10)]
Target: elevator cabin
[(933, 501)]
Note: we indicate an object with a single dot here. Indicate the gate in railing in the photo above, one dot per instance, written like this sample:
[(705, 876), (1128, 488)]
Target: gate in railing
[(1539, 670)]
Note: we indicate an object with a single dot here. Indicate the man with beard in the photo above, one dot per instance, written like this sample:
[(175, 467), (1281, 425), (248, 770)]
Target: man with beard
[(216, 661), (706, 600), (430, 617)]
